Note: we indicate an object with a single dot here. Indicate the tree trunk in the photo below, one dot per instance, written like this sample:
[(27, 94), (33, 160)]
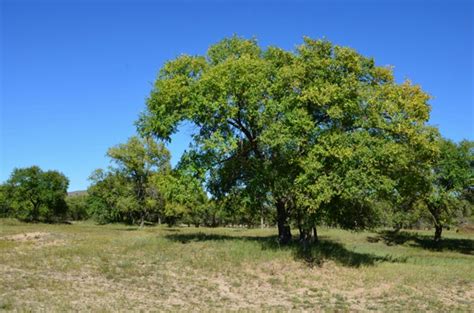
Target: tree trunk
[(308, 235), (262, 224), (436, 214), (284, 231), (315, 234), (302, 232), (143, 216), (438, 231)]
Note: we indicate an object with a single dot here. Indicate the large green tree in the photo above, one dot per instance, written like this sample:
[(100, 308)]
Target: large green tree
[(36, 195), (319, 131)]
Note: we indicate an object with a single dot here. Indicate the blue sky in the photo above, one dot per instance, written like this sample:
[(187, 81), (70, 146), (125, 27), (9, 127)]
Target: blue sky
[(75, 74)]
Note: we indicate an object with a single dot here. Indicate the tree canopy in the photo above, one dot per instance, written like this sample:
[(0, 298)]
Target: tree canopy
[(319, 131), (34, 194), (141, 186), (451, 179)]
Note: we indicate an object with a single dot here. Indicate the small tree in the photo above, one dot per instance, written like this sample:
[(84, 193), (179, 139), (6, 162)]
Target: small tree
[(36, 195), (104, 194), (137, 160), (124, 193), (451, 175)]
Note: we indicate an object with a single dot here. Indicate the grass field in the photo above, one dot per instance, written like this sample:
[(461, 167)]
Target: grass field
[(119, 268)]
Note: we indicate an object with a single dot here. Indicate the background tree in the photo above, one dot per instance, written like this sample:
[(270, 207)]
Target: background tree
[(451, 175), (78, 206), (5, 207), (37, 195), (184, 198), (320, 131), (137, 160), (127, 191), (105, 192)]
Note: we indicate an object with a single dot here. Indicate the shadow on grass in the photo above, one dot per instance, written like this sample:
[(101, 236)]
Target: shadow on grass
[(390, 238), (129, 228), (312, 254)]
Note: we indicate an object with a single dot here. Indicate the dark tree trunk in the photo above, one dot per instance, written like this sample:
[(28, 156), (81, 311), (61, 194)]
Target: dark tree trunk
[(143, 217), (302, 232), (308, 235), (284, 231), (301, 228), (438, 231), (315, 234), (435, 212)]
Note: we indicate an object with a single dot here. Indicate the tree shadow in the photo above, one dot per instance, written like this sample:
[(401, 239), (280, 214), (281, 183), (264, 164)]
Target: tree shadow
[(311, 254), (45, 221), (129, 228), (465, 246)]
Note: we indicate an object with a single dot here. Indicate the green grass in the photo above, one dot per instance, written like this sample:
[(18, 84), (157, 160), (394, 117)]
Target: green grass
[(120, 268)]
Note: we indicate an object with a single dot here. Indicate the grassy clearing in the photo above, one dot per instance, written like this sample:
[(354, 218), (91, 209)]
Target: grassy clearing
[(118, 268)]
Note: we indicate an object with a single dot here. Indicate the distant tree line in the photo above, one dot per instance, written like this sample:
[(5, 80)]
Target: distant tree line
[(296, 139)]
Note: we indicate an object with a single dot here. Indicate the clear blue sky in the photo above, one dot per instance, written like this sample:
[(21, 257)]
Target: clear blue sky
[(75, 74)]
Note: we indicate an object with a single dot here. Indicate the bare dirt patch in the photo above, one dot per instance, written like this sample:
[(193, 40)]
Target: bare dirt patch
[(466, 229), (27, 236), (39, 238)]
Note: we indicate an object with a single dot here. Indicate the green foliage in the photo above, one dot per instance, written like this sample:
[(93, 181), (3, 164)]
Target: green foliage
[(452, 178), (78, 206), (5, 207), (184, 197), (320, 132), (107, 194), (142, 187), (123, 193), (138, 158), (36, 195)]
